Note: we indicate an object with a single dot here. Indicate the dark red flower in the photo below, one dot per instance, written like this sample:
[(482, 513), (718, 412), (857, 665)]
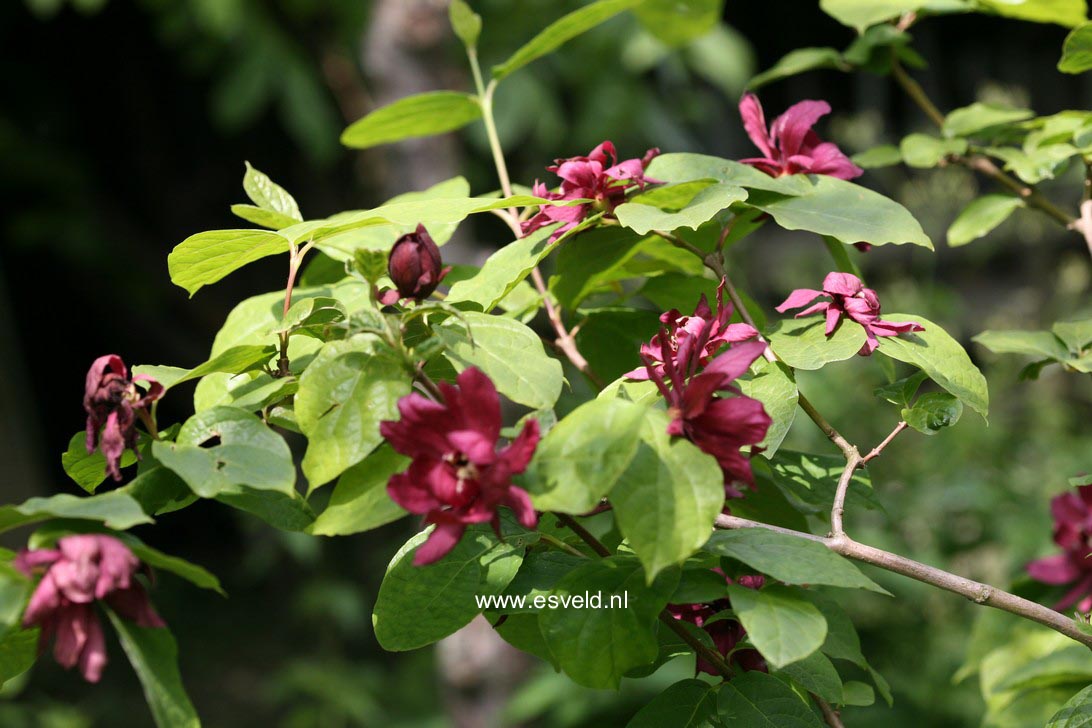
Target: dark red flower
[(82, 569), (726, 633), (848, 297), (719, 426), (693, 340), (458, 476), (598, 177), (113, 402), (414, 266), (790, 146), (1073, 532)]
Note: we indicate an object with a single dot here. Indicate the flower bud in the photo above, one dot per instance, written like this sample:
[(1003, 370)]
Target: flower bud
[(415, 265)]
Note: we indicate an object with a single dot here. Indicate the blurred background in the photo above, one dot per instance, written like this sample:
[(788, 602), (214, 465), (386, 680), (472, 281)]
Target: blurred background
[(124, 129)]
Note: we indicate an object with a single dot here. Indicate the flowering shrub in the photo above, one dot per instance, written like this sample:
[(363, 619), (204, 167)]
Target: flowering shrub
[(664, 480)]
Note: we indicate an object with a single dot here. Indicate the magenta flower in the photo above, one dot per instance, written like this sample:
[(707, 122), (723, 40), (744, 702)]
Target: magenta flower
[(83, 569), (790, 146), (725, 633), (848, 297), (113, 402), (458, 476), (1073, 532), (414, 266), (719, 426), (693, 340), (598, 177)]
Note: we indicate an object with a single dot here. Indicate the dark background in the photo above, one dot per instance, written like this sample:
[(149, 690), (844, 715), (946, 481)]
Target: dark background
[(124, 127)]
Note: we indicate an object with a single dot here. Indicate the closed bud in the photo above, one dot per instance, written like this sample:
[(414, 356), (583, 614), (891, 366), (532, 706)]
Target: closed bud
[(415, 265)]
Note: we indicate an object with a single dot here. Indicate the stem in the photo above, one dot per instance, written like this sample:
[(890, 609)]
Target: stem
[(427, 384), (828, 429), (977, 592), (830, 715), (565, 341), (585, 535), (853, 460), (977, 162), (886, 441), (149, 423), (561, 545), (713, 657), (295, 259)]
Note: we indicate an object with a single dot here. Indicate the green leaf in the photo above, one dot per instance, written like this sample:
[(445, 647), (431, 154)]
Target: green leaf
[(1033, 343), (799, 61), (562, 31), (610, 339), (845, 211), (1062, 12), (583, 456), (816, 674), (522, 632), (421, 115), (359, 501), (223, 449), (154, 656), (933, 412), (789, 559), (1035, 165), (116, 509), (803, 344), (707, 203), (860, 14), (1077, 50), (236, 360), (809, 481), (1076, 713), (207, 257), (1077, 335), (509, 353), (942, 358), (980, 217), (679, 168), (18, 652), (686, 704), (595, 647), (901, 392), (503, 270), (666, 500), (88, 470), (15, 590), (782, 626), (419, 605), (598, 261), (158, 491), (857, 694), (262, 217), (346, 391), (677, 22), (978, 117), (774, 385), (755, 699), (885, 155), (465, 22), (194, 574), (268, 195), (537, 576), (925, 151)]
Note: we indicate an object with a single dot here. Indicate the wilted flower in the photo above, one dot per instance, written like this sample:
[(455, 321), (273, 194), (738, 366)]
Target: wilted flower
[(83, 569), (414, 266), (112, 399), (849, 298), (598, 177), (458, 476), (693, 340), (790, 146), (719, 426), (726, 633), (1073, 532)]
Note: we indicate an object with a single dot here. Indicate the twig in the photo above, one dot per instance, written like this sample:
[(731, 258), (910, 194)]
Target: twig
[(853, 460), (565, 340), (713, 657), (977, 592), (976, 162), (830, 715), (886, 441)]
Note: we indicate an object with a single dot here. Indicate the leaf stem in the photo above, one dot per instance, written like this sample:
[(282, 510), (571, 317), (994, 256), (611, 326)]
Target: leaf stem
[(830, 715), (886, 441), (585, 535), (977, 592), (837, 510)]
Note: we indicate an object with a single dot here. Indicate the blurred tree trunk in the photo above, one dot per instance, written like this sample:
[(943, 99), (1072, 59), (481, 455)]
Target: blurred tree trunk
[(404, 53)]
